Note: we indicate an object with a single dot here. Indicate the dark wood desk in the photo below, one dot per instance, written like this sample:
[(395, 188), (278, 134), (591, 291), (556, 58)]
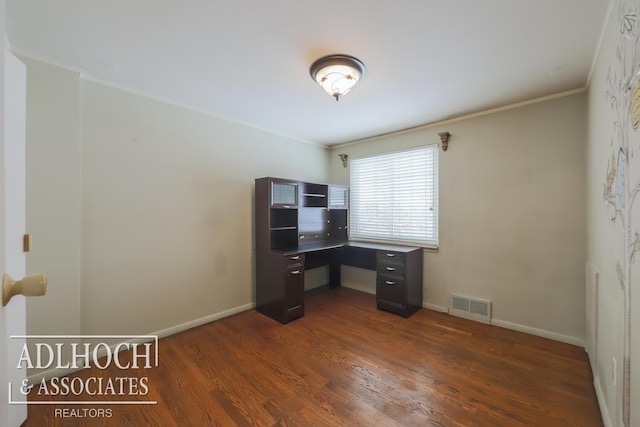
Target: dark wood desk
[(303, 225)]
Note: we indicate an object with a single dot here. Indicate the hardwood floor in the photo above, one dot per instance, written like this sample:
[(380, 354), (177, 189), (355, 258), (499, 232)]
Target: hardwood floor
[(347, 364)]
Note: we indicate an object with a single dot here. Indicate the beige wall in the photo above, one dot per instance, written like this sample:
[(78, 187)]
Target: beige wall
[(167, 210), (512, 220), (611, 262), (142, 212)]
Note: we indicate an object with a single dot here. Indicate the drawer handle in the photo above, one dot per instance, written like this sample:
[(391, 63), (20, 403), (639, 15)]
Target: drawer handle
[(390, 269), (295, 272), (390, 282), (391, 255), (295, 258)]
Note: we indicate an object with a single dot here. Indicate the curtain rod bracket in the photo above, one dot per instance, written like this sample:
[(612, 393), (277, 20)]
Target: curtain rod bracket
[(444, 139), (344, 158)]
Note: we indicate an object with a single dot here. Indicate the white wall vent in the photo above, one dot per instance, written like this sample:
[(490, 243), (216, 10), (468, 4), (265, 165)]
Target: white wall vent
[(471, 308)]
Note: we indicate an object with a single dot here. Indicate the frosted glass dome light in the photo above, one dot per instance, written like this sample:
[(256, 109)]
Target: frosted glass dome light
[(337, 74)]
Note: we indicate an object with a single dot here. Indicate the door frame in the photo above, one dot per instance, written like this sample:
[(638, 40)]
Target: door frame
[(13, 404)]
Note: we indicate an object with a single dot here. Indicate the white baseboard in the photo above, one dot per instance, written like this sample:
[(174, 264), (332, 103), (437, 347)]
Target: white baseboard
[(602, 403), (359, 287), (60, 372), (520, 328), (435, 307), (580, 342), (202, 321)]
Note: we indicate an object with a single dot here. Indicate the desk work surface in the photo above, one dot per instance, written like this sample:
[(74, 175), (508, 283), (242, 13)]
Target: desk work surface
[(381, 246), (320, 246)]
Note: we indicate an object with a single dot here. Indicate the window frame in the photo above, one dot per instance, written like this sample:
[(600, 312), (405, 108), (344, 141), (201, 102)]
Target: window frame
[(433, 169)]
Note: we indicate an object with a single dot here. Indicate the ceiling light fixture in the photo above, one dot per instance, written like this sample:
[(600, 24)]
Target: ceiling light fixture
[(337, 74)]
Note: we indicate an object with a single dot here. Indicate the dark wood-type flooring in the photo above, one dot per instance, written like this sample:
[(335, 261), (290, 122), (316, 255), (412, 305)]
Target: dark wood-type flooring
[(347, 364)]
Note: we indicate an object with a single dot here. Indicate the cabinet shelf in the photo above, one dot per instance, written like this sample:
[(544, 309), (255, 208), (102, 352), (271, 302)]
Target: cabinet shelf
[(283, 219), (284, 238), (313, 195)]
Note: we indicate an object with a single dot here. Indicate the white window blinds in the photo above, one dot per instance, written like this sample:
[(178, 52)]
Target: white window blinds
[(394, 197)]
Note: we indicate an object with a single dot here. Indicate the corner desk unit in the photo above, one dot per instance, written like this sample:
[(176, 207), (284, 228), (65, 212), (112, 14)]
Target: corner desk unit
[(299, 226)]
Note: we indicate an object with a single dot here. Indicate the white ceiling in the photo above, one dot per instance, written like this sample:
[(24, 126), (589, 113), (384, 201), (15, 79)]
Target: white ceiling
[(427, 60)]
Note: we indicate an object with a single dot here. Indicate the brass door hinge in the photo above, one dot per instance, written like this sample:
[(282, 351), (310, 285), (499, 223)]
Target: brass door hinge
[(26, 243)]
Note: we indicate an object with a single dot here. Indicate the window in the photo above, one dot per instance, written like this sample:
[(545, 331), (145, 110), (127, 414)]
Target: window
[(394, 197)]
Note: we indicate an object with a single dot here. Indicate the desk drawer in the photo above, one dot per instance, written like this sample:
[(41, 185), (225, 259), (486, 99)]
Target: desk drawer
[(394, 271), (391, 258), (391, 295), (294, 261), (293, 292)]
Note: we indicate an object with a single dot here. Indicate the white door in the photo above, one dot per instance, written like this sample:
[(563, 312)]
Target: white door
[(12, 228)]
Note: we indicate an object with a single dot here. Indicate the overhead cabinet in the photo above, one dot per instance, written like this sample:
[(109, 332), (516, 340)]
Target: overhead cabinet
[(283, 193), (338, 197)]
